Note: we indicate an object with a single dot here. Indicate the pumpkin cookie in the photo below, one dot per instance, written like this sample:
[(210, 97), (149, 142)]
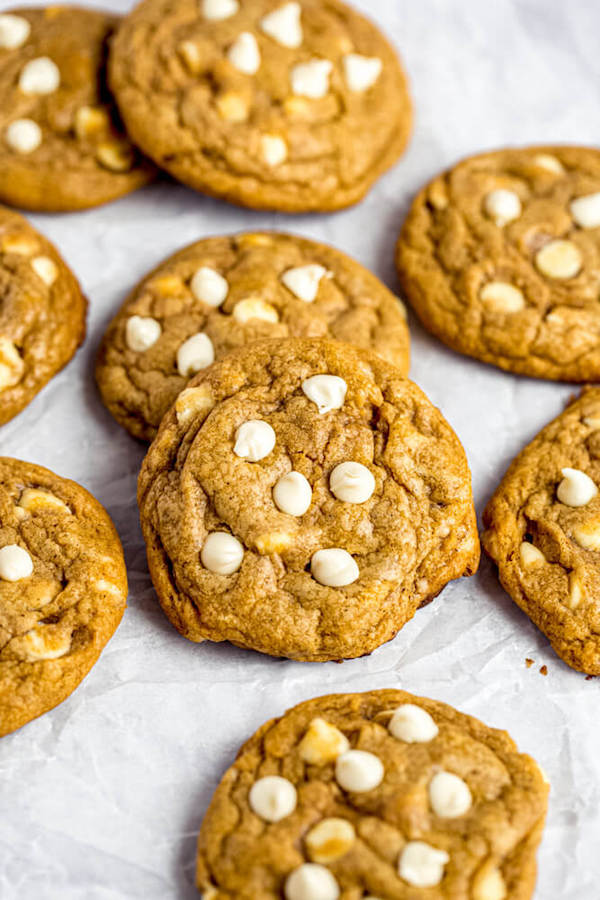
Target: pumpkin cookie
[(303, 499), (61, 144), (63, 589), (381, 794), (222, 293), (293, 106), (42, 313), (543, 532), (500, 258)]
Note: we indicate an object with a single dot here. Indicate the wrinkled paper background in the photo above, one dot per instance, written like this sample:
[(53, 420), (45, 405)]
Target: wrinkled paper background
[(102, 798)]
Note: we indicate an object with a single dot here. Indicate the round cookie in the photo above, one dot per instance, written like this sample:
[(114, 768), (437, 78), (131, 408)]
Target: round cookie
[(542, 529), (42, 313), (62, 146), (293, 106), (380, 794), (303, 499), (500, 258), (63, 589), (222, 293)]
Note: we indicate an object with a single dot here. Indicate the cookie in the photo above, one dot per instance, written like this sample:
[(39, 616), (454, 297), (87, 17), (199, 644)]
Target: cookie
[(380, 794), (222, 293), (270, 104), (303, 499), (500, 258), (542, 529), (62, 146), (63, 589), (42, 313)]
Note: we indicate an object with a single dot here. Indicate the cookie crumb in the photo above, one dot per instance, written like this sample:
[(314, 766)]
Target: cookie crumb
[(544, 670), (529, 662)]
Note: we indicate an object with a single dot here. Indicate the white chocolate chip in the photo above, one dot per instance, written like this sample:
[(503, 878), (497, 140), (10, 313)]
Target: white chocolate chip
[(15, 563), (326, 391), (334, 567), (43, 643), (12, 365), (412, 724), (216, 10), (358, 771), (108, 587), (91, 121), (232, 106), (311, 881), (273, 798), (209, 286), (576, 591), (244, 54), (549, 163), (361, 72), (311, 79), (34, 499), (141, 333), (23, 136), (559, 259), (352, 482), (586, 210), (530, 555), (330, 840), (304, 281), (588, 535), (502, 206), (500, 296), (592, 422), (193, 402), (195, 354), (274, 542), (254, 440), (283, 25), (292, 494), (39, 76), (273, 149), (45, 269), (222, 553), (449, 795), (489, 884), (322, 743), (254, 308), (14, 31), (422, 865), (576, 488)]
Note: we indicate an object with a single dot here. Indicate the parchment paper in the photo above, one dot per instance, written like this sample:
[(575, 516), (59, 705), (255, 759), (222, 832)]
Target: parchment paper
[(103, 797)]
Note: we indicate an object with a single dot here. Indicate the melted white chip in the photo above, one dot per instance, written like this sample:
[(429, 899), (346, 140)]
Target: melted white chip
[(39, 76), (422, 865), (304, 281), (352, 482), (46, 269), (311, 881), (216, 10), (23, 135), (502, 206), (14, 31), (586, 210), (15, 563), (195, 354)]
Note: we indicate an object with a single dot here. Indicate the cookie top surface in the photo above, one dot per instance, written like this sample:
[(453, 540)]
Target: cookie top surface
[(61, 145), (63, 588), (543, 531), (222, 293), (381, 794), (500, 258), (42, 313), (303, 499), (272, 104)]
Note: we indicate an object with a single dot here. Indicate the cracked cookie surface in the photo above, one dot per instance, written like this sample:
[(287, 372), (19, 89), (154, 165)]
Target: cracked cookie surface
[(267, 103), (438, 805), (235, 290), (303, 499), (542, 529), (500, 258), (62, 146), (63, 588), (42, 313)]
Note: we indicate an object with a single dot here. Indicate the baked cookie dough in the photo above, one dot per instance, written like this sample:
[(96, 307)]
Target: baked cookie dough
[(222, 293), (293, 106), (42, 313), (542, 529), (62, 146), (375, 795), (500, 258), (303, 499), (63, 589)]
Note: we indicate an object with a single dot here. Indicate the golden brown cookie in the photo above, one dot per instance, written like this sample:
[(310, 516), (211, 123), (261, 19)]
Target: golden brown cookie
[(303, 499), (222, 293), (500, 258), (543, 532), (42, 313), (62, 146), (293, 106), (63, 589), (375, 795)]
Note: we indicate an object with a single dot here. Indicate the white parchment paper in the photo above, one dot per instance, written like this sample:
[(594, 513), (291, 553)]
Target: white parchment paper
[(102, 798)]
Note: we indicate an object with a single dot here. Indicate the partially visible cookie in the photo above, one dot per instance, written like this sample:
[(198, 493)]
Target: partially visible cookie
[(42, 313), (542, 529), (62, 146), (375, 795), (63, 589), (500, 258), (222, 293), (293, 106), (303, 499)]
